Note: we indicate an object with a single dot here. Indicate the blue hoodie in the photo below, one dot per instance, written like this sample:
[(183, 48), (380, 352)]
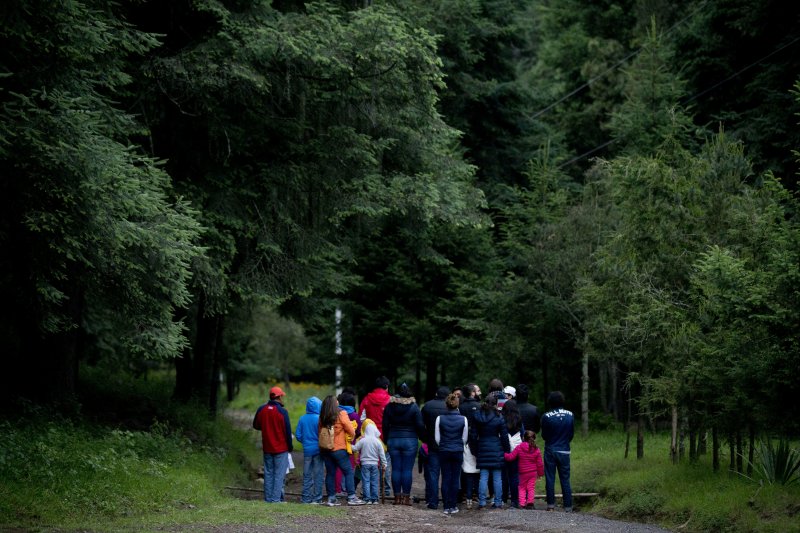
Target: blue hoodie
[(308, 427)]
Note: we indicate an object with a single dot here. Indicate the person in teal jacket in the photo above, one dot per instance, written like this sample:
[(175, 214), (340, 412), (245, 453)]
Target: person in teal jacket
[(307, 434)]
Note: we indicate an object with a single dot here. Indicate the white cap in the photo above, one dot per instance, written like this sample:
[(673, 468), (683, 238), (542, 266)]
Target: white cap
[(510, 391)]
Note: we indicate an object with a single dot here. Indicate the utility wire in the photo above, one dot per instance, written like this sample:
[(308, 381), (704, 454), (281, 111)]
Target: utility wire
[(690, 99), (612, 67)]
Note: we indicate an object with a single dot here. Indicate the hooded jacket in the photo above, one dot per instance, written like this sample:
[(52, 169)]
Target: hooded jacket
[(372, 407), (492, 439), (530, 460), (402, 419), (308, 427), (370, 446)]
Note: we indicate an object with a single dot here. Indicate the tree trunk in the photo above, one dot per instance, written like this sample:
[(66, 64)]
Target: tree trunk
[(615, 398), (692, 444), (714, 449), (640, 422), (702, 447), (585, 396), (751, 451), (602, 380), (431, 373), (682, 437), (673, 445), (216, 368), (628, 423), (739, 452), (732, 450)]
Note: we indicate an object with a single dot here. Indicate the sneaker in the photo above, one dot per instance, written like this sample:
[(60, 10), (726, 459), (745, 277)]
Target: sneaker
[(469, 504), (333, 503), (454, 510), (495, 506), (447, 511), (341, 494), (355, 501), (550, 509)]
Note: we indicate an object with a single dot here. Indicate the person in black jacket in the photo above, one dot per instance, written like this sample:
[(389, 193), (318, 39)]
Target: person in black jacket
[(529, 412), (558, 428), (469, 404), (430, 412), (491, 435), (450, 434), (402, 427)]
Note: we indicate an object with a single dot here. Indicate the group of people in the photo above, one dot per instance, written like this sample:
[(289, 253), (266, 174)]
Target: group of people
[(473, 448)]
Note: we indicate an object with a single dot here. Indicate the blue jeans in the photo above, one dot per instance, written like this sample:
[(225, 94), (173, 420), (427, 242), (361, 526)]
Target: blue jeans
[(432, 470), (313, 476), (333, 460), (403, 452), (275, 466), (470, 484), (451, 475), (511, 482), (371, 479), (483, 486), (554, 459)]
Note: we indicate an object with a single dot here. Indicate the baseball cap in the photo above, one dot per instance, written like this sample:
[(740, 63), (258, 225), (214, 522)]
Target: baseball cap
[(276, 392)]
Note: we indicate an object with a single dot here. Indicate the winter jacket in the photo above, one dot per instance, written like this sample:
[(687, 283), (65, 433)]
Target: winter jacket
[(530, 416), (451, 431), (558, 428), (430, 412), (276, 431), (307, 432), (343, 428), (372, 407), (468, 408), (491, 434), (530, 460), (370, 447), (402, 419)]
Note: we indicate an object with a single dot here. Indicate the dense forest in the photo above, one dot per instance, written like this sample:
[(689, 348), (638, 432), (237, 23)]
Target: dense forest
[(592, 196)]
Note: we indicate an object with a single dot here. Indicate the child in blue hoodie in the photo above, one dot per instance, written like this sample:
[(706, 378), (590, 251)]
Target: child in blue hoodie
[(308, 435)]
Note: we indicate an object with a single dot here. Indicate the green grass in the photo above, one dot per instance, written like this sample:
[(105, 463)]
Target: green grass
[(692, 496), (154, 464)]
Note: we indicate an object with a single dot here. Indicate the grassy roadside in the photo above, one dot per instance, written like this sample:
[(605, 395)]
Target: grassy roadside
[(681, 497), (131, 460), (152, 465)]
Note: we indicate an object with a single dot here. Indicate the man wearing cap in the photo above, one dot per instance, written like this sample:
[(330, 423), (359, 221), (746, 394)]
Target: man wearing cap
[(430, 412), (272, 420)]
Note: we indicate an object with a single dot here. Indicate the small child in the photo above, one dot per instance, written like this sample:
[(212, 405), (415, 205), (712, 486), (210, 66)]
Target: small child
[(372, 458), (308, 434), (530, 467)]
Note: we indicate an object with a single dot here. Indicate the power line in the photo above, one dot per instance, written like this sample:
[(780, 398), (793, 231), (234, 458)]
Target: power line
[(612, 68), (690, 99)]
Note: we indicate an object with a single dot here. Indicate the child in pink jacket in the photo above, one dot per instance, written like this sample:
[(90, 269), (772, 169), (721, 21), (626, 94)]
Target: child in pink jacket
[(530, 467)]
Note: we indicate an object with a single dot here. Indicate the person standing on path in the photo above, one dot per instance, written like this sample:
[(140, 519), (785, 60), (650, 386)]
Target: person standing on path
[(558, 428), (491, 435), (529, 412), (332, 416), (451, 431), (468, 406), (308, 435), (372, 407), (372, 459), (272, 420), (402, 427), (430, 413), (529, 462)]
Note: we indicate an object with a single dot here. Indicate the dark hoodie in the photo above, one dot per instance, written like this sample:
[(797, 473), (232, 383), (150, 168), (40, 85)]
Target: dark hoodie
[(430, 412)]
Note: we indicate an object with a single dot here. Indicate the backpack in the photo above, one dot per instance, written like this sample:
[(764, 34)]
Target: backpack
[(326, 438)]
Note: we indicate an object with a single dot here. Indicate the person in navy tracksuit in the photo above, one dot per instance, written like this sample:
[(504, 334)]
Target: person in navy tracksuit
[(558, 428)]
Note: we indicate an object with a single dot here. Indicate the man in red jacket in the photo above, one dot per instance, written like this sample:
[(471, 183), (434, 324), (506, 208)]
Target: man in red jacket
[(276, 442), (372, 407)]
